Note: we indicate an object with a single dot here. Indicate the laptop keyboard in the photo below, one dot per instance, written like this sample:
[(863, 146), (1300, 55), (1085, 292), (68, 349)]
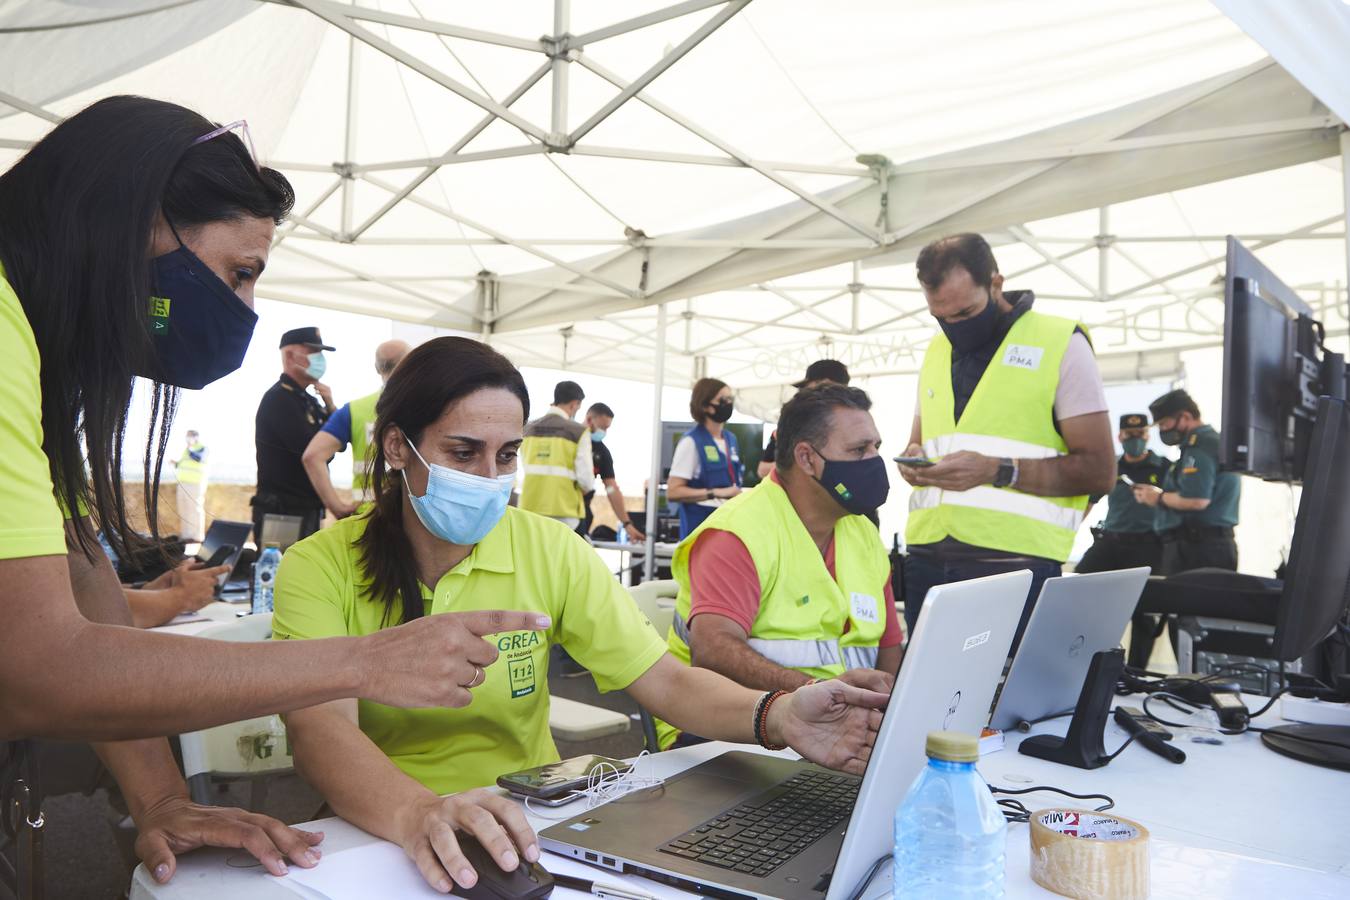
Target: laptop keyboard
[(760, 835)]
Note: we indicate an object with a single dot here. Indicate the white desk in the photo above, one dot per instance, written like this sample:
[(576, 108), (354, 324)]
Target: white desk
[(1240, 798), (214, 613)]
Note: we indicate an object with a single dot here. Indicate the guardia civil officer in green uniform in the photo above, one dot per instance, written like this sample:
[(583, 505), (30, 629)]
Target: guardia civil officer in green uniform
[(1126, 538), (1197, 505), (353, 423)]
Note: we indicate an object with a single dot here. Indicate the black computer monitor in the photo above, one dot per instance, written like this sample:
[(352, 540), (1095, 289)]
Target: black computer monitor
[(1317, 579), (1259, 368)]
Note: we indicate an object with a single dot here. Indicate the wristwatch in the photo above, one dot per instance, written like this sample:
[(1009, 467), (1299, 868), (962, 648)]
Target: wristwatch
[(1007, 473), (711, 495)]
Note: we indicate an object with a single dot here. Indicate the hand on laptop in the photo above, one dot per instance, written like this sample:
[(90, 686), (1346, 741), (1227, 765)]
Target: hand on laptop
[(832, 723)]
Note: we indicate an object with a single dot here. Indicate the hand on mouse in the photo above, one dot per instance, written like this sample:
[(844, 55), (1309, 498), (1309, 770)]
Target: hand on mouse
[(427, 835)]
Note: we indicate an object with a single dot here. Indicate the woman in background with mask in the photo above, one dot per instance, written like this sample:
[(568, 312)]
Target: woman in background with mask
[(706, 468), (131, 238), (441, 537)]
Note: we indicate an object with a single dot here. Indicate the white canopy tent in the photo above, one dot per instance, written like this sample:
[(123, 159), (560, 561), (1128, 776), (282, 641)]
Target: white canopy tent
[(665, 190)]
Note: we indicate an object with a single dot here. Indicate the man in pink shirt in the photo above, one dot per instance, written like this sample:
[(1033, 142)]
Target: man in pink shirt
[(789, 582)]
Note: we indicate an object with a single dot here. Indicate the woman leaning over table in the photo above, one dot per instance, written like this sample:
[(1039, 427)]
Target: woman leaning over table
[(131, 238)]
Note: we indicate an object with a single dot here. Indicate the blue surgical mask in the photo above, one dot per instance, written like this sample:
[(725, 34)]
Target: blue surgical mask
[(971, 334), (318, 364), (598, 434), (860, 486), (199, 328), (459, 507)]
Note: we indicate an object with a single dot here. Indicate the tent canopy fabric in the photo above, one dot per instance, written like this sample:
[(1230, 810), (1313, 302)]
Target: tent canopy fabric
[(765, 171)]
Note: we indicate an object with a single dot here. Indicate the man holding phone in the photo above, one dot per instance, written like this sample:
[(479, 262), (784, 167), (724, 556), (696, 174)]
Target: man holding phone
[(1013, 414)]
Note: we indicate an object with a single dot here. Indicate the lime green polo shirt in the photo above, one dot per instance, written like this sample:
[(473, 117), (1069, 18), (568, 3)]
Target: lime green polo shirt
[(527, 562), (30, 520)]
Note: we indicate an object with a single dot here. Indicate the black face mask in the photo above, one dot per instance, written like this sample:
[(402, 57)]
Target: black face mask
[(973, 333), (860, 486), (722, 411), (199, 328)]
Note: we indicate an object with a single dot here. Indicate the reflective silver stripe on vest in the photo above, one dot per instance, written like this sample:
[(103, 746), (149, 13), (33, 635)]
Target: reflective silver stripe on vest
[(798, 654), (559, 471), (681, 629), (999, 500), (987, 444), (860, 657)]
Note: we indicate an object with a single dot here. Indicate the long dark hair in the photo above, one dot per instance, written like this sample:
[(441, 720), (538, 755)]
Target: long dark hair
[(430, 379), (77, 216)]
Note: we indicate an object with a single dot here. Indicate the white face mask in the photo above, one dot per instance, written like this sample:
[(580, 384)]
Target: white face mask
[(459, 507)]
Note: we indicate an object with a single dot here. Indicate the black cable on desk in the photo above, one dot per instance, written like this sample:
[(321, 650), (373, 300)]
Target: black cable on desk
[(1016, 811)]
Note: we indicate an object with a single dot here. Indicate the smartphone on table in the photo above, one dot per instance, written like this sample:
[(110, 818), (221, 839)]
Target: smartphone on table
[(560, 782)]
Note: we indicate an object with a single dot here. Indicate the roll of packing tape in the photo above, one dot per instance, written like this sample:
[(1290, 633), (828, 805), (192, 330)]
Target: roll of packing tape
[(1084, 854)]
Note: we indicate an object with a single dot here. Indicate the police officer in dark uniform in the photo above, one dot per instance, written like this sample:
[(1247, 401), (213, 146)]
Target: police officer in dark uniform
[(287, 418), (1197, 505), (1127, 538)]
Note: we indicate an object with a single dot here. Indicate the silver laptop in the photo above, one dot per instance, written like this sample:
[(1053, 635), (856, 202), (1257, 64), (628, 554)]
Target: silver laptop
[(761, 826), (1075, 617)]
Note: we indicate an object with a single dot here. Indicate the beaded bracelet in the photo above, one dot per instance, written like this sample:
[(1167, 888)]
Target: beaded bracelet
[(761, 720)]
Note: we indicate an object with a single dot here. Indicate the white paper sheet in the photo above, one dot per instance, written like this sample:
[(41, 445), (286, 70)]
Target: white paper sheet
[(382, 870)]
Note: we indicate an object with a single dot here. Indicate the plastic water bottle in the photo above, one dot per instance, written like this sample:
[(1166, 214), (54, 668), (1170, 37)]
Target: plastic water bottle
[(949, 832), (264, 574)]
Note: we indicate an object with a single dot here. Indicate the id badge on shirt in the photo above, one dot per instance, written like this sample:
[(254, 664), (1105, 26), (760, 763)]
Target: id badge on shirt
[(865, 608)]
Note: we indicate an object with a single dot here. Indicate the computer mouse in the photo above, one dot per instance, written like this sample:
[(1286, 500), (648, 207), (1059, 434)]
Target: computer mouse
[(530, 881)]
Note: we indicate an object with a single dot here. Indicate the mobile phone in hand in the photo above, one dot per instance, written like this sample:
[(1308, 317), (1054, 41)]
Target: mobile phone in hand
[(1127, 479), (916, 462)]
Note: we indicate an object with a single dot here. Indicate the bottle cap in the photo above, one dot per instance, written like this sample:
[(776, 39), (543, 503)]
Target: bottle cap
[(953, 746), (267, 545)]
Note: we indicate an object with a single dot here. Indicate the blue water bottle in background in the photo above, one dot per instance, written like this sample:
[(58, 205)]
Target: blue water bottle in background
[(949, 832), (264, 574)]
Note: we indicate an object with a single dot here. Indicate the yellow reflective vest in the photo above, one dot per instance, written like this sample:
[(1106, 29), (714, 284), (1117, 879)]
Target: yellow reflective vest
[(807, 621), (191, 468), (1011, 414), (548, 458)]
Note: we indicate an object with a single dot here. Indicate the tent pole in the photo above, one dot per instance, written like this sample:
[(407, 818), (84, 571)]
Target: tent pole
[(654, 477), (562, 21), (1103, 252), (1345, 197), (349, 140)]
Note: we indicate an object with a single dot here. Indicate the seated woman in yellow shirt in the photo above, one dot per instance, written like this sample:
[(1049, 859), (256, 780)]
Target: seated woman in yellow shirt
[(441, 538)]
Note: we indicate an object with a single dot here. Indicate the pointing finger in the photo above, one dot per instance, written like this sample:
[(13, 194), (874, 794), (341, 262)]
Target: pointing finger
[(496, 621)]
